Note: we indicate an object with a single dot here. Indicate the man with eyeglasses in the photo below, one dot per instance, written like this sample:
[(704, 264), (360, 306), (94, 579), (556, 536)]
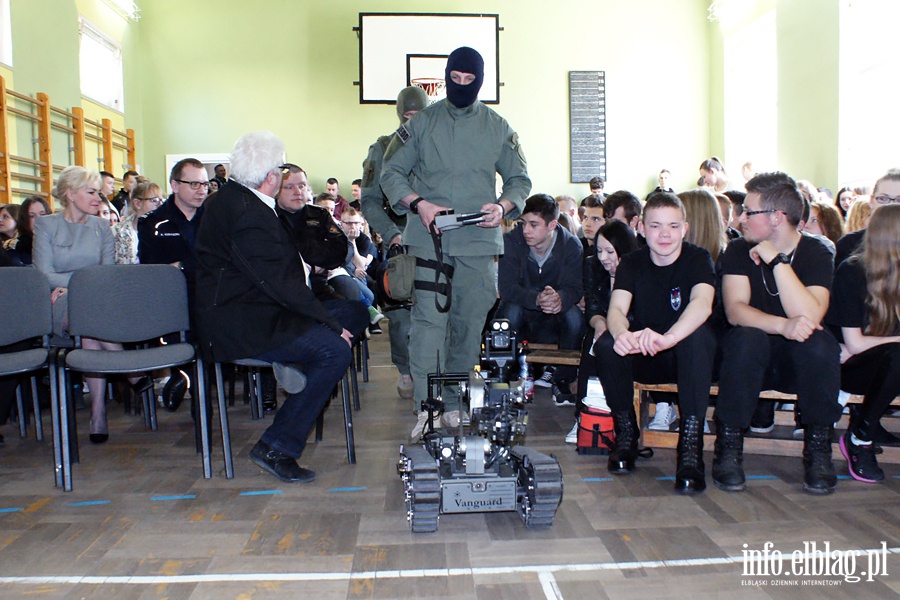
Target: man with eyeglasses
[(167, 235), (776, 287), (886, 191)]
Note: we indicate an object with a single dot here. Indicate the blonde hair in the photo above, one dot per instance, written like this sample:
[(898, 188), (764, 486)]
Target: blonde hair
[(706, 229), (74, 178), (881, 257), (858, 215)]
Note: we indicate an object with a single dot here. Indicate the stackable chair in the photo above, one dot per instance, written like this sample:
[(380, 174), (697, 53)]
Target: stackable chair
[(255, 365), (30, 290), (141, 303)]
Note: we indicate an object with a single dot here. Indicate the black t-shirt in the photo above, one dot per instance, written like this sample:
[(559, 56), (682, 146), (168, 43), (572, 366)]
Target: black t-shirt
[(812, 261), (847, 245), (848, 299), (660, 294)]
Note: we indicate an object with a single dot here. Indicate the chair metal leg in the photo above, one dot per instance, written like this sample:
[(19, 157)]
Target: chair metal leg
[(255, 393), (320, 425), (354, 380), (38, 423), (63, 401), (223, 421), (150, 403), (203, 395), (20, 407), (365, 359), (348, 418), (55, 421)]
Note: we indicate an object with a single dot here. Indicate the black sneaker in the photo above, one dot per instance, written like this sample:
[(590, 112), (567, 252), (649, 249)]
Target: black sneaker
[(861, 460), (561, 396), (546, 378), (375, 329), (763, 420)]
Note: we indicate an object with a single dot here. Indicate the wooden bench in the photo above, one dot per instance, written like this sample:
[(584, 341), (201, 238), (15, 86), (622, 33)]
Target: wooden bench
[(779, 442)]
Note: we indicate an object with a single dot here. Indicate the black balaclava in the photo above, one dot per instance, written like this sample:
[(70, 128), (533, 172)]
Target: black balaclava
[(464, 60)]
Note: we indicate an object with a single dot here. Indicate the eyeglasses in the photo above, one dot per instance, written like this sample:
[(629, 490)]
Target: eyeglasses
[(157, 201), (750, 213), (887, 199), (195, 185)]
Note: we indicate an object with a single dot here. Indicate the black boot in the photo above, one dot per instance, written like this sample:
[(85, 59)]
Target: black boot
[(174, 390), (689, 474), (818, 476), (861, 457), (728, 463), (621, 460)]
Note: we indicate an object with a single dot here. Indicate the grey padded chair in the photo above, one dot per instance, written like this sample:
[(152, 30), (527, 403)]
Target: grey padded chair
[(255, 366), (141, 303), (25, 287)]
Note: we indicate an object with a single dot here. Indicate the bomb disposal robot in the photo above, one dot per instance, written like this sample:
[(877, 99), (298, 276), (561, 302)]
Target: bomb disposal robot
[(480, 466)]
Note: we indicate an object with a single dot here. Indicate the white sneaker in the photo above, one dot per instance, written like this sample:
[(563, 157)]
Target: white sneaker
[(546, 378), (664, 417), (420, 424), (405, 386), (452, 418), (572, 436)]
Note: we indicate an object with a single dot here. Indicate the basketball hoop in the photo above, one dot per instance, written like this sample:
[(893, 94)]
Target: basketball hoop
[(435, 88)]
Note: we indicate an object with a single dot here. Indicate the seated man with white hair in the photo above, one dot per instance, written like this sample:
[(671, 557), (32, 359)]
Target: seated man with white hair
[(254, 301)]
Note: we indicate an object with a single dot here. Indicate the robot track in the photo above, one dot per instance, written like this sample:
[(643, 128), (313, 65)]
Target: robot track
[(423, 489), (540, 487)]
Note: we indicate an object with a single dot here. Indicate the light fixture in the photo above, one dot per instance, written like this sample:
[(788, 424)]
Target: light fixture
[(126, 9)]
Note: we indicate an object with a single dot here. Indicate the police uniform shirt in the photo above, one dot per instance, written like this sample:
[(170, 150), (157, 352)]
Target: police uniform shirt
[(659, 295)]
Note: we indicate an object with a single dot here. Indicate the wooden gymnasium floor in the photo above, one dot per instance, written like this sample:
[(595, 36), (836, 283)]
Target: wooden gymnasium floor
[(143, 523)]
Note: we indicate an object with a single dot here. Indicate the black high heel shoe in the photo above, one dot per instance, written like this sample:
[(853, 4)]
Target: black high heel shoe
[(98, 438)]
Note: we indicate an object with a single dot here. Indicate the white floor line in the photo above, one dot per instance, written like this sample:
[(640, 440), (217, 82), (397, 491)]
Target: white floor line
[(548, 584), (544, 572)]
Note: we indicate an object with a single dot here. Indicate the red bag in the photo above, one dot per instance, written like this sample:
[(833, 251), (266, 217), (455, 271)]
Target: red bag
[(596, 434)]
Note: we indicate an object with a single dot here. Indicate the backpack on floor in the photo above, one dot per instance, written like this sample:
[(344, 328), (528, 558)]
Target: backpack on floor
[(596, 434)]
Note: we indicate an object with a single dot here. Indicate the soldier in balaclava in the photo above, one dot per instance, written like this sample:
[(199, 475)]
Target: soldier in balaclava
[(385, 221), (447, 158)]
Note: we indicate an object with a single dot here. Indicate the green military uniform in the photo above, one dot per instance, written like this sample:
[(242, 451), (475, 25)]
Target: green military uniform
[(385, 221), (450, 156)]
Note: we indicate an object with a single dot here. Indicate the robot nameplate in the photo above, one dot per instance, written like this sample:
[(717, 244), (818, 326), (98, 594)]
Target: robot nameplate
[(479, 495)]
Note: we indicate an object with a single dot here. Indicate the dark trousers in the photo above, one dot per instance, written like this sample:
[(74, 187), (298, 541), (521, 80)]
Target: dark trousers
[(324, 357), (874, 373), (689, 364), (756, 361), (565, 329)]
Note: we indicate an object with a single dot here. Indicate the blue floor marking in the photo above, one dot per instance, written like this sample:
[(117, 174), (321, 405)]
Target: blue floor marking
[(666, 478), (184, 497), (261, 493), (593, 479), (348, 489), (90, 503), (761, 477), (10, 510)]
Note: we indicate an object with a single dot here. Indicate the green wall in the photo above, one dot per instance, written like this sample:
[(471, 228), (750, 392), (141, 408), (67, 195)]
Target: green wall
[(808, 76), (199, 74), (224, 68)]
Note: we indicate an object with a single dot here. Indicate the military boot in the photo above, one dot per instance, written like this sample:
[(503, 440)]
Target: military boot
[(690, 477), (818, 476), (728, 463), (621, 460)]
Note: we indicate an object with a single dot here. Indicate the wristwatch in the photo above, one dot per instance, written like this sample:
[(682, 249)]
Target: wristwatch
[(413, 206), (779, 258)]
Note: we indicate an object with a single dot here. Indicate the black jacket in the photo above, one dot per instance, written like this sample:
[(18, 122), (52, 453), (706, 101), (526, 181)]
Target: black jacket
[(251, 295), (520, 280)]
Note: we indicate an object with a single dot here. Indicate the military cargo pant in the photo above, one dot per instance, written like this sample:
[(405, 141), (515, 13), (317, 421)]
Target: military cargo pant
[(456, 334)]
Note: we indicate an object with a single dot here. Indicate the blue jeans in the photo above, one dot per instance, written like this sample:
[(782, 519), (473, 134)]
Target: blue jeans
[(352, 288), (324, 357), (565, 329)]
